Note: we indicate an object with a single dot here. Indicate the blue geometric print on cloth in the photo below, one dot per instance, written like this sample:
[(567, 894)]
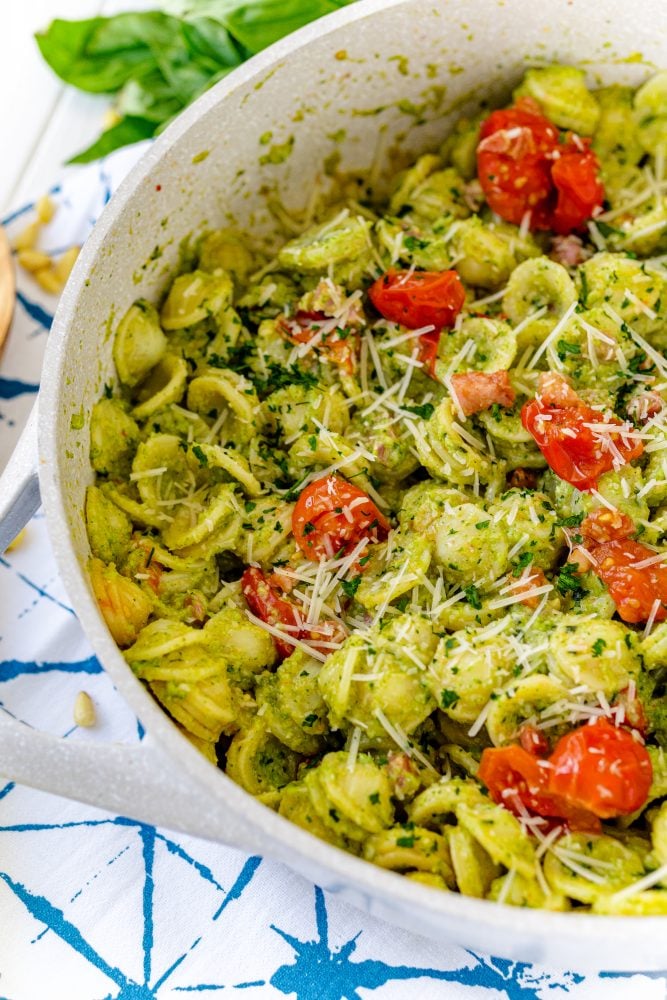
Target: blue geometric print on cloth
[(101, 907)]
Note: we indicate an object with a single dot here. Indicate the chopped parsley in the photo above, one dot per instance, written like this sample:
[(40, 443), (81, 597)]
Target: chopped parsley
[(568, 581), (573, 521), (472, 597), (425, 411), (525, 559), (350, 587), (563, 348), (448, 698)]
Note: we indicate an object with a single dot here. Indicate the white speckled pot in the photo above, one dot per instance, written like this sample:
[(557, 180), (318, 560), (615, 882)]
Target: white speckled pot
[(387, 78)]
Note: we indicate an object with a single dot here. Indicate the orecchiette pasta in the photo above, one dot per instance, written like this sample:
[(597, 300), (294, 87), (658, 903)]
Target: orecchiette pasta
[(380, 519)]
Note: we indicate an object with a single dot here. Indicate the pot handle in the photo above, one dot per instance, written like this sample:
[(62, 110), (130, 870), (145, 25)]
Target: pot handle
[(135, 779), (19, 484)]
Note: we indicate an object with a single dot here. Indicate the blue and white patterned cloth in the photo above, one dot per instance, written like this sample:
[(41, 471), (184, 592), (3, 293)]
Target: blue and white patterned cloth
[(97, 906)]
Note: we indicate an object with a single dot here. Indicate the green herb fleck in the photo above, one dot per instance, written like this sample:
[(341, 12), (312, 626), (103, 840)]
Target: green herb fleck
[(350, 587), (472, 597), (448, 698)]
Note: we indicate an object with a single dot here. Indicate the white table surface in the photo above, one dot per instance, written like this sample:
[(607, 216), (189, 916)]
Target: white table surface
[(42, 122)]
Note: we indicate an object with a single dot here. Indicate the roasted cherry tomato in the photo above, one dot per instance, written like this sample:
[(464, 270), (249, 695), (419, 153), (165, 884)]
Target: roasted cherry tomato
[(428, 353), (515, 778), (568, 437), (607, 526), (340, 346), (518, 780), (331, 516), (576, 177), (533, 740), (477, 391), (514, 162), (418, 298), (601, 768), (266, 602), (634, 587), (523, 167)]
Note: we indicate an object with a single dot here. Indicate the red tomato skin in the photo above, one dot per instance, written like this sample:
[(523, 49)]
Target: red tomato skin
[(601, 768), (579, 460), (302, 327), (580, 192), (513, 162), (318, 513), (420, 298), (607, 526), (265, 602), (428, 351), (477, 391), (524, 167), (519, 781), (634, 591), (533, 740), (512, 773)]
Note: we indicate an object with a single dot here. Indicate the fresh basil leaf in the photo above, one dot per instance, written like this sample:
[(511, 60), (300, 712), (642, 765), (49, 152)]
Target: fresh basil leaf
[(127, 131), (101, 54), (258, 23), (157, 63), (150, 98), (208, 39)]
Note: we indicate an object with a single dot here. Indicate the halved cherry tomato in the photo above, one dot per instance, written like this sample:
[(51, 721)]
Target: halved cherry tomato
[(418, 298), (512, 773), (340, 346), (514, 162), (331, 516), (266, 602), (428, 352), (607, 526), (523, 167), (633, 589), (518, 780), (571, 446), (601, 768), (533, 740), (477, 391), (576, 177)]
